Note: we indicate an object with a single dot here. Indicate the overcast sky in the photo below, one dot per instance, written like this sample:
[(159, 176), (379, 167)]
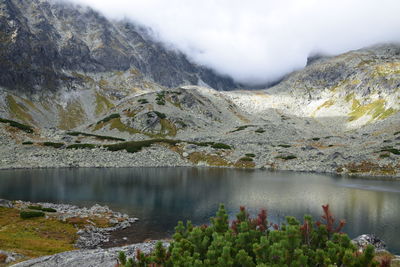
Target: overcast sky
[(259, 41)]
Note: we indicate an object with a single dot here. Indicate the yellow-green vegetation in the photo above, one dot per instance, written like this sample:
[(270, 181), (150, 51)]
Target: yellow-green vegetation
[(326, 104), (367, 167), (245, 162), (385, 69), (71, 116), (375, 109), (114, 121), (18, 110), (83, 77), (34, 237), (103, 84), (134, 72), (103, 105), (167, 128), (211, 160), (118, 125)]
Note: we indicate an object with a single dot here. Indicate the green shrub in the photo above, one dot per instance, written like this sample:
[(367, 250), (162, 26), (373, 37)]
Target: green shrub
[(41, 208), (55, 145), (81, 146), (287, 157), (284, 146), (143, 101), (27, 143), (246, 159), (136, 146), (107, 119), (251, 155), (49, 210), (240, 128), (260, 130), (316, 139), (160, 99), (23, 127), (221, 146), (203, 143), (396, 133), (31, 214), (160, 115), (255, 242), (101, 137)]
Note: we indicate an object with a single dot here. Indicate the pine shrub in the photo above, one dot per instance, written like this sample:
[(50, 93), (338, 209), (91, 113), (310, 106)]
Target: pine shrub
[(255, 242), (31, 214)]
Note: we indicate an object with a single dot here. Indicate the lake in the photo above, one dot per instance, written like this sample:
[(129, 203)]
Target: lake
[(160, 197)]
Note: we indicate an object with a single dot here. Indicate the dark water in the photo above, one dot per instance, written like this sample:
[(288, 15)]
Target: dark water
[(162, 196)]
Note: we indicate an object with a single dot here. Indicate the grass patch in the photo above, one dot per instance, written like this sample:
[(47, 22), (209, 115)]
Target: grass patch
[(210, 160), (19, 110), (81, 146), (108, 118), (251, 155), (136, 146), (51, 144), (22, 127), (375, 109), (103, 105), (34, 237), (367, 167), (31, 214), (101, 137), (284, 145), (396, 133), (221, 146), (27, 143)]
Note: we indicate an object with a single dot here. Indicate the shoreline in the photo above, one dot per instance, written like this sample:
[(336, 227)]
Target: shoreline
[(366, 176)]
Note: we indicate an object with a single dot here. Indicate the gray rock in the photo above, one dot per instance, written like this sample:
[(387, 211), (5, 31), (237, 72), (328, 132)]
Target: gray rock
[(5, 203), (88, 258), (369, 239)]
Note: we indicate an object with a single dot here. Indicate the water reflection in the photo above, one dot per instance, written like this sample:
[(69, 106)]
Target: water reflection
[(161, 196)]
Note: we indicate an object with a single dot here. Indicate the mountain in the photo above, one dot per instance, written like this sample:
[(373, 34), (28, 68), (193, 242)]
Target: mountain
[(48, 45), (70, 78)]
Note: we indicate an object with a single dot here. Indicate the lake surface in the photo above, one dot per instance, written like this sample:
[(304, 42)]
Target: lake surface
[(160, 197)]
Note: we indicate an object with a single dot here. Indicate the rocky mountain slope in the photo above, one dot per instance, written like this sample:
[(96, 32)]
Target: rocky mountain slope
[(75, 87)]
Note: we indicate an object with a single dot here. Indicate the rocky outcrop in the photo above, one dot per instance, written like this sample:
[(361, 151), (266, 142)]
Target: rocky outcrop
[(48, 45), (88, 258)]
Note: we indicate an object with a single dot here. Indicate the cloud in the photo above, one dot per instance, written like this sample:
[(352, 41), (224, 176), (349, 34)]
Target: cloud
[(259, 41)]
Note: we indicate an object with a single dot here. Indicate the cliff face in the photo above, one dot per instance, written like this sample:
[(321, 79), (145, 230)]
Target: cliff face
[(46, 45)]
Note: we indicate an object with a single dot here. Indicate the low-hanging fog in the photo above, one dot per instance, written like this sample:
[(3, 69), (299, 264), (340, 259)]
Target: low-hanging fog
[(259, 41)]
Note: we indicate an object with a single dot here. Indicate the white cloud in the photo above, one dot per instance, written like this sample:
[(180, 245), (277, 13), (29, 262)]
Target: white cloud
[(259, 41)]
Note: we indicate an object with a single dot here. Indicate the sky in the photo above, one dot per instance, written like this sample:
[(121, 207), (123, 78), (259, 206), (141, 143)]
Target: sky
[(259, 41)]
